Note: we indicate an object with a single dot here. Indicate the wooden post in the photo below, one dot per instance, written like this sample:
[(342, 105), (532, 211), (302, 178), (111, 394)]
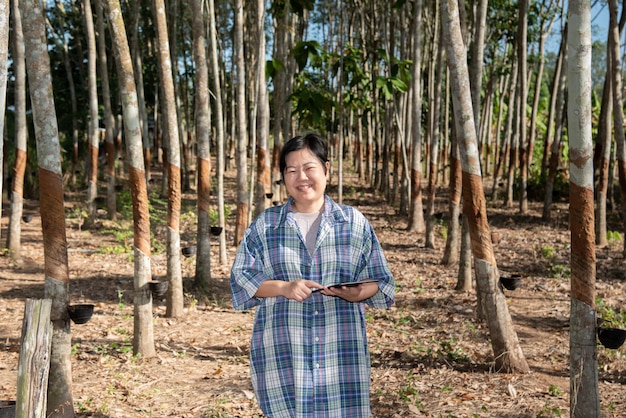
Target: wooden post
[(34, 360)]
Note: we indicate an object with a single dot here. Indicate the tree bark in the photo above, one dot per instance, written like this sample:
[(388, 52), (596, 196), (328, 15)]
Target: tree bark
[(21, 131), (93, 131), (109, 120), (416, 208), (143, 338), (434, 137), (52, 209), (241, 153), (263, 187), (522, 57), (584, 394), (203, 138), (555, 146), (219, 128), (507, 351), (175, 301)]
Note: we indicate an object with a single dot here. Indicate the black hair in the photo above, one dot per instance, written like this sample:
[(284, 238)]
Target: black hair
[(314, 142)]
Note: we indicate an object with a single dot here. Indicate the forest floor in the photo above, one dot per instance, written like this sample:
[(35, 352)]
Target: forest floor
[(431, 356)]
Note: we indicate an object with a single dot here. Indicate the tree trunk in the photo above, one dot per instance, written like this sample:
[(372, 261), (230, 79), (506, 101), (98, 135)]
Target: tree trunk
[(219, 128), (602, 153), (476, 62), (464, 275), (434, 123), (203, 138), (21, 131), (451, 252), (109, 120), (507, 351), (554, 109), (52, 209), (416, 208), (263, 186), (241, 153), (136, 53), (522, 56), (584, 394), (175, 301), (555, 147), (143, 338), (62, 41), (94, 136)]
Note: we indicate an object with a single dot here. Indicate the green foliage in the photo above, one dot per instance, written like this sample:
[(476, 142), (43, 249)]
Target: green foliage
[(450, 351), (613, 318), (555, 390), (304, 50), (613, 236), (550, 411), (559, 271), (408, 394), (548, 252)]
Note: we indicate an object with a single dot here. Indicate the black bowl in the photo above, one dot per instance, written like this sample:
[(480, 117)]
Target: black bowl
[(188, 251), (158, 287), (7, 409), (269, 195), (81, 313), (611, 337), (216, 230), (511, 282), (27, 218)]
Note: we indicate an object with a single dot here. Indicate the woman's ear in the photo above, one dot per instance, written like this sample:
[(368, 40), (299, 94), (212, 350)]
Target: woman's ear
[(327, 167)]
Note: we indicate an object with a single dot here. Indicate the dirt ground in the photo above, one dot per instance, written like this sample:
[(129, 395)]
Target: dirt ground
[(430, 355)]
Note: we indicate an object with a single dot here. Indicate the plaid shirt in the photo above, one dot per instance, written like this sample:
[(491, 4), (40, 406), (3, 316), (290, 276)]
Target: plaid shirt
[(310, 359)]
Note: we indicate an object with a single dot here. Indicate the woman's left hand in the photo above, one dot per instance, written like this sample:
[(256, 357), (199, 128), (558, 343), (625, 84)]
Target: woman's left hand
[(352, 293)]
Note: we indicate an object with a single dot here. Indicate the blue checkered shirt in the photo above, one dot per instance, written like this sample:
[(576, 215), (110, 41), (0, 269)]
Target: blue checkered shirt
[(310, 359)]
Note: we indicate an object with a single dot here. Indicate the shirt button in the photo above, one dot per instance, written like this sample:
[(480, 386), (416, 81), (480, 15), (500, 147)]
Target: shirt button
[(317, 339), (315, 313), (317, 365)]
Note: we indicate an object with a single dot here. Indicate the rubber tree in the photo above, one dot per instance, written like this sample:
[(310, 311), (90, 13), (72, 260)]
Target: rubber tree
[(93, 130), (21, 133), (175, 301), (52, 208), (241, 132), (143, 339), (584, 396), (416, 208), (219, 127), (507, 350), (203, 138), (109, 120)]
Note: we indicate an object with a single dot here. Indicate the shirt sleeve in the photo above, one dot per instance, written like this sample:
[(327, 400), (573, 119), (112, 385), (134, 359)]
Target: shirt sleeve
[(375, 267), (247, 273)]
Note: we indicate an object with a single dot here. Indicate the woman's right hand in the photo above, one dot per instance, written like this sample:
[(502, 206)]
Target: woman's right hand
[(298, 290)]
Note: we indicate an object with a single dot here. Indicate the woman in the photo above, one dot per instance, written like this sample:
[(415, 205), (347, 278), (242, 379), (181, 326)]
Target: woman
[(309, 354)]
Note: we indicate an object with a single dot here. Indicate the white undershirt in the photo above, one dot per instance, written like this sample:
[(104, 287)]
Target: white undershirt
[(309, 223)]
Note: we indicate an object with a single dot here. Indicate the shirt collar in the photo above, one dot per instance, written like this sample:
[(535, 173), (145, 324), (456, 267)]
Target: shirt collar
[(332, 211)]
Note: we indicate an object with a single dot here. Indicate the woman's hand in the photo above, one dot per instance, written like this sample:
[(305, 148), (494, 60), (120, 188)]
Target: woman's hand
[(297, 290), (352, 293)]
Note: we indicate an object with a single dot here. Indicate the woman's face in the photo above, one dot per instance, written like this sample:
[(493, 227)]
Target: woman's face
[(305, 179)]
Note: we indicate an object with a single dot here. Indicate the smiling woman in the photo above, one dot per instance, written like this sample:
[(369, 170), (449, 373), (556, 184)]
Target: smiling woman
[(309, 353)]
